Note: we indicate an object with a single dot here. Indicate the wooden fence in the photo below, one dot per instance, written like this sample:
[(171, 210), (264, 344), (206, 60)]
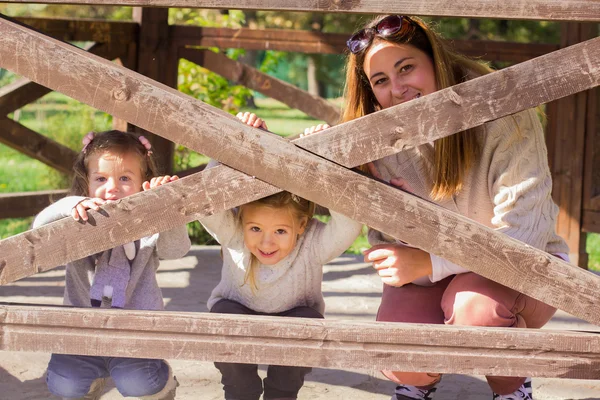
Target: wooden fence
[(257, 164)]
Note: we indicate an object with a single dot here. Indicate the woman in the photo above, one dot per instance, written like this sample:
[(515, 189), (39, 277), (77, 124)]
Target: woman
[(496, 174)]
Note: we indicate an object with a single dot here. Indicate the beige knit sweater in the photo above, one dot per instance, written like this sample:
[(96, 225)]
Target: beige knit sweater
[(508, 189)]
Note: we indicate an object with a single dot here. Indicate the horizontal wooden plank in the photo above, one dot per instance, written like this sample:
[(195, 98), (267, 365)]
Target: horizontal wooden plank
[(559, 10), (182, 119), (114, 33), (297, 341), (22, 92), (36, 145), (335, 43), (27, 204), (314, 106)]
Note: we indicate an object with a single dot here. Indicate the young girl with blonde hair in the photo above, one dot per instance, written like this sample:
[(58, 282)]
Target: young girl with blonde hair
[(114, 165), (273, 256)]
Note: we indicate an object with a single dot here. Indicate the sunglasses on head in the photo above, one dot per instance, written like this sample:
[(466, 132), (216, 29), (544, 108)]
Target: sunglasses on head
[(387, 27)]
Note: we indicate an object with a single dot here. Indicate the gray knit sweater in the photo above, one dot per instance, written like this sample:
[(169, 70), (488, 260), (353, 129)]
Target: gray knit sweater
[(143, 292), (508, 189)]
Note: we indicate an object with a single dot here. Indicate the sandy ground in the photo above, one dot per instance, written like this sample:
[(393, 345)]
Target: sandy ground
[(351, 291)]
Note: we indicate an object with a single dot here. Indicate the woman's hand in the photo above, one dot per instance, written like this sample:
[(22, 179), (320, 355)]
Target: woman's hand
[(158, 181), (252, 119), (314, 129), (398, 265), (80, 209)]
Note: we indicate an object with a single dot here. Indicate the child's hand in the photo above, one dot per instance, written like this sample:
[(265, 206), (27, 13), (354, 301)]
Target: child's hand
[(314, 129), (252, 120), (158, 181), (80, 210)]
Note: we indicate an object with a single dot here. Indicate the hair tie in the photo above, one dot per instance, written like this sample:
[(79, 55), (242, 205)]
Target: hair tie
[(87, 140), (146, 143)]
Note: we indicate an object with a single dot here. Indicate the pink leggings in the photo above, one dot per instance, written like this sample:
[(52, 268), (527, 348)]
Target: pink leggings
[(466, 299)]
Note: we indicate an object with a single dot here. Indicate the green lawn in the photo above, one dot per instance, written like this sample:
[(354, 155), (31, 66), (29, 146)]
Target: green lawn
[(66, 121)]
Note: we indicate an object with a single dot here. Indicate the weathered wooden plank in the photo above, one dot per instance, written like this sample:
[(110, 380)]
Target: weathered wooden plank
[(171, 205), (36, 146), (22, 92), (335, 43), (463, 106), (315, 106), (567, 10), (184, 120), (114, 33), (296, 341), (27, 204)]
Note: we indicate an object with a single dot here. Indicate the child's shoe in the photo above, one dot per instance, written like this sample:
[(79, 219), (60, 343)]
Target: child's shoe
[(525, 392), (408, 392), (96, 390)]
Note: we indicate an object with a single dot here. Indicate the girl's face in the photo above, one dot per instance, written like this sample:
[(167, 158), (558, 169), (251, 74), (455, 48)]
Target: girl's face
[(114, 176), (398, 73), (270, 233)]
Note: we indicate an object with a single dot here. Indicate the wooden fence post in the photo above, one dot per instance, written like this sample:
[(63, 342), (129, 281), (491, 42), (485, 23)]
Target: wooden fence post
[(566, 137), (156, 60)]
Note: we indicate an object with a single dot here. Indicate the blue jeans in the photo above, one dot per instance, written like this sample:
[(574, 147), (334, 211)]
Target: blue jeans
[(71, 376)]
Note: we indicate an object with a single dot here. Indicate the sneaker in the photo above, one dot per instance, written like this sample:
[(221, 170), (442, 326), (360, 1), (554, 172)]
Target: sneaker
[(525, 392), (407, 392)]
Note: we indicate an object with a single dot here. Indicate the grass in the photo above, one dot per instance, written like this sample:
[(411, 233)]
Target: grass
[(66, 121)]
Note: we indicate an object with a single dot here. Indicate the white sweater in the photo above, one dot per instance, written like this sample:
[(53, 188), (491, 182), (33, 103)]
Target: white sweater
[(292, 282), (508, 189)]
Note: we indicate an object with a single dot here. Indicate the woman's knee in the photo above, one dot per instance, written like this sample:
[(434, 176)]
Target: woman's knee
[(472, 300), (412, 378)]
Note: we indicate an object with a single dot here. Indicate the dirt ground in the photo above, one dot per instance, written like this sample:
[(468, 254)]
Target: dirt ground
[(351, 292)]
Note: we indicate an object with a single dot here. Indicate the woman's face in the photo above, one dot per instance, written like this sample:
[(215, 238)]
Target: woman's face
[(398, 73)]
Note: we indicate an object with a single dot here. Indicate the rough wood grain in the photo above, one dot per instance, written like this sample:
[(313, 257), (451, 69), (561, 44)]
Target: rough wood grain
[(463, 106), (568, 10), (296, 341), (335, 43), (315, 106), (165, 111), (36, 145), (171, 205), (27, 204), (22, 92)]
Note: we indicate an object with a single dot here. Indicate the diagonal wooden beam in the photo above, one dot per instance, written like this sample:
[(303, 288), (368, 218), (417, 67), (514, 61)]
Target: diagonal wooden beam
[(22, 92), (26, 204), (335, 43), (315, 106), (37, 146), (568, 10), (184, 120), (297, 341)]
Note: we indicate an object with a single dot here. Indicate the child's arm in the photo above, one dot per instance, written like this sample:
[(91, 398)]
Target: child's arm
[(174, 243), (334, 238), (63, 208)]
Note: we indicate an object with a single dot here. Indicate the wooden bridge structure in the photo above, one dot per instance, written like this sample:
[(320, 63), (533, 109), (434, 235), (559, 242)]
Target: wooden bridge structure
[(140, 91)]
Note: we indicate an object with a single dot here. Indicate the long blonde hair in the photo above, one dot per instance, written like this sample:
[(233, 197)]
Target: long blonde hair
[(453, 154), (116, 142), (300, 209)]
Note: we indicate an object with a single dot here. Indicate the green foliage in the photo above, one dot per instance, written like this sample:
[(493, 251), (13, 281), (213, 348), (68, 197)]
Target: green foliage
[(12, 226), (593, 249)]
